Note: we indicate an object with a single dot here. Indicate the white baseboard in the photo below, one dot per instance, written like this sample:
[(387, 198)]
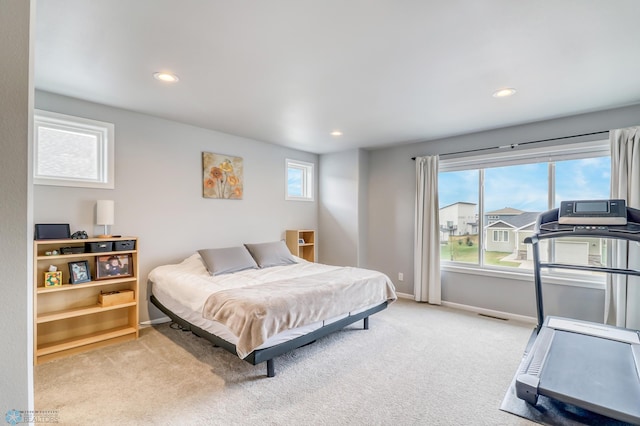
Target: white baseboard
[(405, 296), (491, 312), (477, 310), (161, 320)]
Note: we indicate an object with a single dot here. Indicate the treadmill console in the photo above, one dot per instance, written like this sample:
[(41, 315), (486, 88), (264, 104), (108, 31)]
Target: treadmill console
[(593, 212), (579, 228)]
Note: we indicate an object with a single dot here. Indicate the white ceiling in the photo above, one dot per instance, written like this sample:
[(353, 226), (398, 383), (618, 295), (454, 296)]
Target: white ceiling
[(382, 71)]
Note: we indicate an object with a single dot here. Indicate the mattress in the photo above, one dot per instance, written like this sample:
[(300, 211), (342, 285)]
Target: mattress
[(183, 288)]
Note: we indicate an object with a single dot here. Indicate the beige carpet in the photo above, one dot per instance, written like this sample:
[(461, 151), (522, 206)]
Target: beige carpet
[(416, 365)]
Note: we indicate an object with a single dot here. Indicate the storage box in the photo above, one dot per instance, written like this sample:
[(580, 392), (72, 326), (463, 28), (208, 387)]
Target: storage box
[(72, 250), (124, 245), (112, 298), (99, 247)]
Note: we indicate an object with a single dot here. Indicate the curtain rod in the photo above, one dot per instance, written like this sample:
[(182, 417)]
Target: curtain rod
[(513, 145)]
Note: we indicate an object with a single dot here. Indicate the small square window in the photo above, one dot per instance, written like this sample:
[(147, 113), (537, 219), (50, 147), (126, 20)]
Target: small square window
[(299, 183), (72, 151)]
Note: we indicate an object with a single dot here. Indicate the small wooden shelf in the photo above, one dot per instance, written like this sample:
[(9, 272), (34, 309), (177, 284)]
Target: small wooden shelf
[(76, 342), (53, 257), (68, 318), (307, 249), (78, 312), (100, 283)]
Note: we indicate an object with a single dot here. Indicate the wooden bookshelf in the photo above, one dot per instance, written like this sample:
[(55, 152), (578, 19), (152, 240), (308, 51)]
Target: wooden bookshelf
[(302, 243), (68, 318)]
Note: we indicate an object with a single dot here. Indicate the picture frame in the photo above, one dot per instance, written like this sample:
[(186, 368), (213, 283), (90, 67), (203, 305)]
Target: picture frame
[(79, 272), (301, 241), (222, 176), (53, 279), (114, 266)]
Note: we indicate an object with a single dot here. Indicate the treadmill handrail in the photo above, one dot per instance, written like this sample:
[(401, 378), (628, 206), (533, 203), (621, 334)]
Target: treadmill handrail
[(621, 271), (547, 227)]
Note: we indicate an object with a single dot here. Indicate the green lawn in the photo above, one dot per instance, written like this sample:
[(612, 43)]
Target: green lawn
[(463, 252)]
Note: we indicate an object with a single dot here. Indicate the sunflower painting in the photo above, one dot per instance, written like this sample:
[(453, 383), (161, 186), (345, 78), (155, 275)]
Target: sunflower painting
[(221, 176)]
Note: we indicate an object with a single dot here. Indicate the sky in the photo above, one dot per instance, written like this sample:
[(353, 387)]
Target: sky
[(524, 187), (294, 182)]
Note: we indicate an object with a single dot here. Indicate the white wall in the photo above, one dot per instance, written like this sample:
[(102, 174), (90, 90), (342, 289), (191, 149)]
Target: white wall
[(16, 247), (363, 208), (342, 208), (391, 188), (158, 189)]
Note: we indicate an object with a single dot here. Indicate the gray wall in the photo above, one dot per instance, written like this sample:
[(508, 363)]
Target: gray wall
[(391, 188), (363, 207), (16, 247), (517, 296), (158, 189), (342, 214)]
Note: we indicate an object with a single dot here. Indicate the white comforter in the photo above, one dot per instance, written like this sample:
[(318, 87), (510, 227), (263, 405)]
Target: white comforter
[(190, 283)]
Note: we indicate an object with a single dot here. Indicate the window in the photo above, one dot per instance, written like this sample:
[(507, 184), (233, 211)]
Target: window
[(72, 151), (458, 195), (299, 183), (501, 236), (507, 192)]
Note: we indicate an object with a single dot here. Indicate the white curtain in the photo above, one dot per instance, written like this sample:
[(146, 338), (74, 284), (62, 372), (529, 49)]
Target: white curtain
[(622, 297), (427, 287)]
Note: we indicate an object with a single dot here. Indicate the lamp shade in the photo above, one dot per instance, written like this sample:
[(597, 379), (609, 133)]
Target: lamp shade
[(104, 212)]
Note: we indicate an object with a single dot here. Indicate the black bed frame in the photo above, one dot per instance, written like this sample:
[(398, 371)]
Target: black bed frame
[(268, 354)]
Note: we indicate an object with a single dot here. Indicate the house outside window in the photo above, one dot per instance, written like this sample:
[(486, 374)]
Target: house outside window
[(507, 193)]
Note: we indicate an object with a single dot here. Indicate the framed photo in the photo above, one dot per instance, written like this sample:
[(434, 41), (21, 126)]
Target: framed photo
[(222, 176), (113, 266), (79, 272), (52, 279)]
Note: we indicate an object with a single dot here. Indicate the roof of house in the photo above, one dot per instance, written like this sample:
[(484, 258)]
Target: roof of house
[(519, 220), (500, 224), (505, 211), (522, 219), (457, 202)]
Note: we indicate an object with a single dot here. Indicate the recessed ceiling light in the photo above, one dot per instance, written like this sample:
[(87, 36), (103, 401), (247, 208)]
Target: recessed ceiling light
[(503, 93), (336, 133), (166, 77)]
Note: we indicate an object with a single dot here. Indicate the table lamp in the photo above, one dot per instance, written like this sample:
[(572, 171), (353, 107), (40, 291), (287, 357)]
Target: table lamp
[(104, 215)]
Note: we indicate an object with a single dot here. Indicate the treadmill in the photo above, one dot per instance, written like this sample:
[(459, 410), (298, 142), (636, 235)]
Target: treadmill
[(593, 366)]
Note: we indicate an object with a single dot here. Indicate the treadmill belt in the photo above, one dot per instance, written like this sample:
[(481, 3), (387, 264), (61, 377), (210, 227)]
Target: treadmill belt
[(594, 373)]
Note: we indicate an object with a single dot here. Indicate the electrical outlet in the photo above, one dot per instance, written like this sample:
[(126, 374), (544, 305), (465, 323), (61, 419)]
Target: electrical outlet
[(400, 276)]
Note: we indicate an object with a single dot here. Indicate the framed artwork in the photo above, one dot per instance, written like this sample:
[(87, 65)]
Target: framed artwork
[(79, 272), (52, 279), (222, 176), (113, 266)]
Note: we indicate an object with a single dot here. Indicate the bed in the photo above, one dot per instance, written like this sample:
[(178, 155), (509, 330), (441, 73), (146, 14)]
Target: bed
[(258, 301)]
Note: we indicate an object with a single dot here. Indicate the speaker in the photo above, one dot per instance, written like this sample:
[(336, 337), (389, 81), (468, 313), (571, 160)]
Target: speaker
[(52, 231)]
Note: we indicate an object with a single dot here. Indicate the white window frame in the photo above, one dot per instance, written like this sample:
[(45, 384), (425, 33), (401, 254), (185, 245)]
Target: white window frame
[(104, 133), (503, 236), (575, 151), (307, 180)]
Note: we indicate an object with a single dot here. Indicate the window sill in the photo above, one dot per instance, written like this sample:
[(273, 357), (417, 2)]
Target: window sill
[(582, 280), (298, 199)]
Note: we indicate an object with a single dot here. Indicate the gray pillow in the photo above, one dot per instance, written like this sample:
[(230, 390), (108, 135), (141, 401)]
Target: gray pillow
[(227, 260), (271, 254)]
